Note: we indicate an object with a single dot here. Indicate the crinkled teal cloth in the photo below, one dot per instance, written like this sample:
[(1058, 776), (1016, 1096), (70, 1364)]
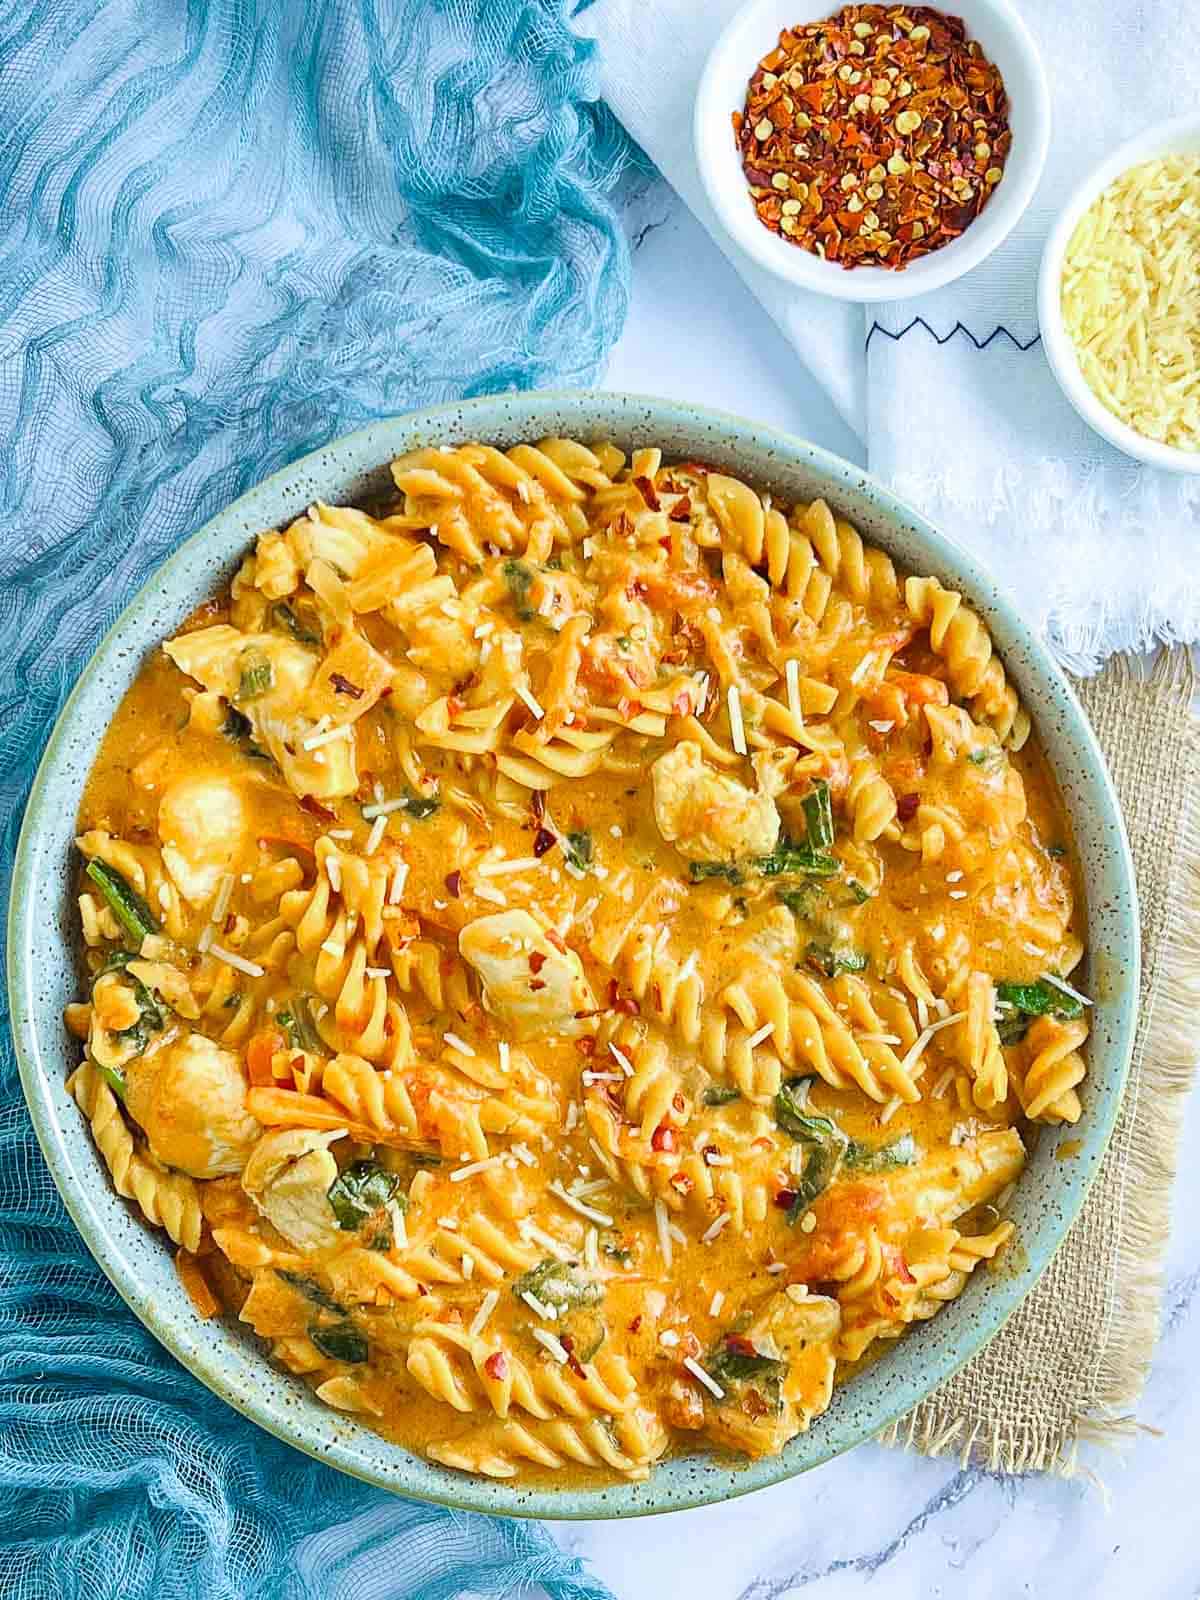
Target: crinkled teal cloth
[(228, 232)]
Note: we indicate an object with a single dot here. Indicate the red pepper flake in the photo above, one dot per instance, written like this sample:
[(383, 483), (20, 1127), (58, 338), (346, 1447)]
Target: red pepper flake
[(636, 1323), (537, 804), (681, 511), (619, 1002), (568, 1345), (586, 1045), (681, 1183), (454, 884), (663, 1138), (344, 686), (874, 136), (647, 492), (537, 983), (309, 803), (496, 1366), (785, 1199), (537, 961), (543, 840), (906, 806), (738, 1346)]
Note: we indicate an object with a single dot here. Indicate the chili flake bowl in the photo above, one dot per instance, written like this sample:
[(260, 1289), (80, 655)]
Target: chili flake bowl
[(751, 34), (43, 971), (1180, 136)]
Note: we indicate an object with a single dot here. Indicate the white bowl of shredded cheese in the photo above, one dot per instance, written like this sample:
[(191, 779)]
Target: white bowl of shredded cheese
[(1119, 297)]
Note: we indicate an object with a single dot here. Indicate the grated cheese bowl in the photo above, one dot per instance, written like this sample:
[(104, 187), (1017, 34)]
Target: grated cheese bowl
[(1180, 136), (43, 971), (754, 31)]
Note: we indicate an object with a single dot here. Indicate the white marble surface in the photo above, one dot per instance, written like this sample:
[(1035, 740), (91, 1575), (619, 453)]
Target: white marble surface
[(877, 1521)]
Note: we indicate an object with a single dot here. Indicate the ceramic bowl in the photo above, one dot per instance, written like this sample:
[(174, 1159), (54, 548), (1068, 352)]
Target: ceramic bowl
[(43, 972), (1181, 136), (754, 31)]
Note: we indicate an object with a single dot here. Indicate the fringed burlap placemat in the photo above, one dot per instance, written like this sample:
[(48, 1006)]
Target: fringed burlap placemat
[(1069, 1365)]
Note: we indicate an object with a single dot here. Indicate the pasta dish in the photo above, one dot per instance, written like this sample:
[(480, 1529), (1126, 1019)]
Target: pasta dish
[(575, 958)]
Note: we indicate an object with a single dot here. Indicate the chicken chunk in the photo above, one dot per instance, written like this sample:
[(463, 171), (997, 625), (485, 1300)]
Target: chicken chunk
[(288, 1178), (267, 679), (529, 983), (202, 824), (778, 1375), (189, 1100), (706, 815)]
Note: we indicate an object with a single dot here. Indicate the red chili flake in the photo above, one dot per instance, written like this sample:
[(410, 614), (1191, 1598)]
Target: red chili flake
[(543, 840), (619, 1002), (568, 1345), (681, 1183), (496, 1366), (454, 884), (537, 804), (647, 492), (231, 922), (315, 809), (421, 1289), (906, 806), (636, 1323), (537, 960), (679, 1103), (537, 983), (785, 1199), (874, 136), (586, 1045), (663, 1138), (344, 686), (389, 1027), (735, 1343), (681, 511)]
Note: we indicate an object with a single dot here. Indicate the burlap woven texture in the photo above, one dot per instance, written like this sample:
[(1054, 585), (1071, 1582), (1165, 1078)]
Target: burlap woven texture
[(1070, 1364)]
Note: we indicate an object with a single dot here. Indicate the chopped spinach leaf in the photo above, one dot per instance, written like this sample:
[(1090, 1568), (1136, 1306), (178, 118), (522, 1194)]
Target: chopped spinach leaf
[(721, 1094), (735, 1361), (311, 1290), (113, 1077), (793, 1116), (818, 816), (130, 910), (901, 1152), (821, 1162), (801, 901), (698, 871), (792, 859), (360, 1191), (297, 1023), (832, 960), (1038, 999), (519, 579), (151, 1017), (557, 1283), (283, 615), (257, 675), (239, 730), (858, 893), (577, 847), (418, 806), (341, 1342)]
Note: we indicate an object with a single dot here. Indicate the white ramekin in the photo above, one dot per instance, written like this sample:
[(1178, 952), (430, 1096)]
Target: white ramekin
[(1180, 136), (751, 34)]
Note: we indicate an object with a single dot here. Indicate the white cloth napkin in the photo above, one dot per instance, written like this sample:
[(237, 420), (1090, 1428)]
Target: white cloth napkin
[(950, 393)]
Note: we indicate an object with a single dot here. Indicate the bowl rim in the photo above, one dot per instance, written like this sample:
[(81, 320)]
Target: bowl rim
[(867, 285), (1153, 142), (361, 1452)]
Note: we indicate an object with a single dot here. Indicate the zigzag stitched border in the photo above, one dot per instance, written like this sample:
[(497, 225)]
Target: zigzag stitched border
[(980, 344)]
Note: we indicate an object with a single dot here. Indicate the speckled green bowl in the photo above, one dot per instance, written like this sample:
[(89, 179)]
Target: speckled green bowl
[(42, 959)]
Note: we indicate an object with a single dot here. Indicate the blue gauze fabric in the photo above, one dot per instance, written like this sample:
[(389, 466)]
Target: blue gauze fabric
[(229, 232)]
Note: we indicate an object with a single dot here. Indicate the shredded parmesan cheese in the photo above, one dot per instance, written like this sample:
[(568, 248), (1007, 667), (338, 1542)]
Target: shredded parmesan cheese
[(238, 963), (1131, 299), (486, 1306), (737, 730)]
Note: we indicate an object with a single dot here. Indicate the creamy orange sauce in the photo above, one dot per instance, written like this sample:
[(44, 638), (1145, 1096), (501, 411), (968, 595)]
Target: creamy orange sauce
[(555, 990)]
